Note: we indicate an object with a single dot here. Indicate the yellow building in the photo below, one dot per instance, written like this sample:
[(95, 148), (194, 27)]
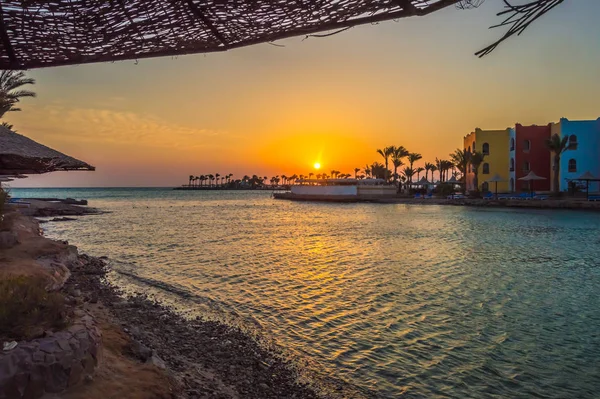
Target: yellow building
[(494, 144)]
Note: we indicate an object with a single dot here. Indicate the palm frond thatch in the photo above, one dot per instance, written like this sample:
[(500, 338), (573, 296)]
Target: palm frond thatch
[(21, 155), (45, 33)]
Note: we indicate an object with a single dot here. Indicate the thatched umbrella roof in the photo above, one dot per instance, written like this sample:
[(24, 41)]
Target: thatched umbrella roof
[(21, 155), (531, 176), (45, 33)]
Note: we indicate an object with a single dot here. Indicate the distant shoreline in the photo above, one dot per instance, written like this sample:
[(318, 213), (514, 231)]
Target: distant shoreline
[(479, 203), (184, 188)]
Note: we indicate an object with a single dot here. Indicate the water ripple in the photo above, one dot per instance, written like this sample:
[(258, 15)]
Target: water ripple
[(404, 301)]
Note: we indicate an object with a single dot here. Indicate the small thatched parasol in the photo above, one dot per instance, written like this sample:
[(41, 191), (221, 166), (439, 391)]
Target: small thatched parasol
[(495, 179), (21, 155), (531, 177), (423, 182), (587, 177), (452, 180)]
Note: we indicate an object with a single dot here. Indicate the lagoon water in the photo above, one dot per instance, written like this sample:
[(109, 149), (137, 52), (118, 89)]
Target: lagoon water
[(397, 300)]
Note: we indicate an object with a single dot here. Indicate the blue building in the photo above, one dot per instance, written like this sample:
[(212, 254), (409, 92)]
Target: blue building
[(584, 136)]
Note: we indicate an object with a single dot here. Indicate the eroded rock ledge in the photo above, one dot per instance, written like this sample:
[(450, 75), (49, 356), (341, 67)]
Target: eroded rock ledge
[(53, 363)]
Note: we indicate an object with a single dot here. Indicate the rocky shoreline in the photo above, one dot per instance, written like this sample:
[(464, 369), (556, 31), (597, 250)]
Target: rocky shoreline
[(207, 359)]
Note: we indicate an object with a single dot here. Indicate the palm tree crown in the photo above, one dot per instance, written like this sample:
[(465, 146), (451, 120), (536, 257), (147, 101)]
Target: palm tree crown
[(10, 81)]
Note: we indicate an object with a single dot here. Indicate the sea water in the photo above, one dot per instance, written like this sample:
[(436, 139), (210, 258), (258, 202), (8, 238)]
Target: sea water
[(397, 300)]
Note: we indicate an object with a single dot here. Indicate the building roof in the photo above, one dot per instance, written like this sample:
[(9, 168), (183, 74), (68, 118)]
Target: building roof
[(44, 33), (21, 155)]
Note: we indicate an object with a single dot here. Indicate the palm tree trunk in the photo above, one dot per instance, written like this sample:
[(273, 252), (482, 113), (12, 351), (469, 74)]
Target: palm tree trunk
[(556, 177)]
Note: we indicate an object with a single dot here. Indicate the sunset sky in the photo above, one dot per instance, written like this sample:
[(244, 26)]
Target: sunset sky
[(277, 110)]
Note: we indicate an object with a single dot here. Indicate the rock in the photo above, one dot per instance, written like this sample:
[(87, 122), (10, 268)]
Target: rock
[(76, 293), (8, 239), (140, 351), (94, 297), (88, 379), (157, 361), (264, 386), (8, 346)]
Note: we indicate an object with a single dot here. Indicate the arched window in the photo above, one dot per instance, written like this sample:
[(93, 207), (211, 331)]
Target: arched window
[(572, 165), (485, 187), (526, 166), (526, 145), (512, 144), (485, 149), (512, 164), (474, 147), (469, 149), (572, 142), (512, 184), (486, 169)]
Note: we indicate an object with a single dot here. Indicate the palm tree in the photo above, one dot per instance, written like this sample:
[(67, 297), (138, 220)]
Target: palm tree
[(10, 81), (367, 170), (210, 179), (433, 169), (557, 147), (475, 160), (378, 170), (310, 175), (397, 154), (191, 179), (419, 170), (461, 158), (413, 157), (408, 172), (284, 179), (440, 167), (448, 165), (429, 166), (356, 170), (386, 153)]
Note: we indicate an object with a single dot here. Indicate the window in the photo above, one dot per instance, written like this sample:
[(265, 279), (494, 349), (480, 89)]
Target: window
[(526, 145), (473, 146), (526, 166), (512, 164), (469, 149), (485, 187), (486, 168), (572, 165), (486, 149), (512, 184), (572, 142), (512, 144)]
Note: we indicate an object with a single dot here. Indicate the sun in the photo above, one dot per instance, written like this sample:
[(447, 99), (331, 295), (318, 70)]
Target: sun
[(317, 165)]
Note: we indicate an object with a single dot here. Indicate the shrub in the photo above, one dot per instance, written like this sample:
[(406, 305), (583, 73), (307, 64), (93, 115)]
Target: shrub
[(443, 190), (27, 309)]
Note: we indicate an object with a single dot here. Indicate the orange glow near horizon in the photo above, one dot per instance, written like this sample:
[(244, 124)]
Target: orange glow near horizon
[(270, 110)]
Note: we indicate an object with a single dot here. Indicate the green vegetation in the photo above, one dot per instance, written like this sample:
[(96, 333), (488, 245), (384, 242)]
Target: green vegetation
[(27, 309), (10, 94)]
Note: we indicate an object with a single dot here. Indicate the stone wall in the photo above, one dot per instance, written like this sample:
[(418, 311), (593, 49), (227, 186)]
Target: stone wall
[(53, 363)]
